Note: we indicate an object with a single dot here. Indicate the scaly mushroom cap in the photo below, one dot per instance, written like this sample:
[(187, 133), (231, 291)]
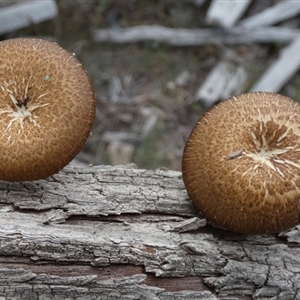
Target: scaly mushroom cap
[(241, 163), (47, 108)]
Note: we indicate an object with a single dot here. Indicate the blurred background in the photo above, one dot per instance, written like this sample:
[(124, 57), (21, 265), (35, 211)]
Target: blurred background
[(157, 66)]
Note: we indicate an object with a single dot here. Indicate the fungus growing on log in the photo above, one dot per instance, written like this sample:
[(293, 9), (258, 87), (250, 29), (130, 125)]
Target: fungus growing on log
[(47, 108), (241, 163)]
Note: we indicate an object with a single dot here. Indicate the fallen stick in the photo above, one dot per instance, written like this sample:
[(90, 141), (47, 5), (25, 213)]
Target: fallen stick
[(195, 37)]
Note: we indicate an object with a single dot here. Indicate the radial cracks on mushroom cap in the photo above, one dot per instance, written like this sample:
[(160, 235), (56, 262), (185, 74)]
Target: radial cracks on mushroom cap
[(22, 106), (254, 189), (271, 157), (38, 81)]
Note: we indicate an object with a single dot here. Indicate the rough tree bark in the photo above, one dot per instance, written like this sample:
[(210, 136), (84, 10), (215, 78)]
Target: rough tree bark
[(125, 233)]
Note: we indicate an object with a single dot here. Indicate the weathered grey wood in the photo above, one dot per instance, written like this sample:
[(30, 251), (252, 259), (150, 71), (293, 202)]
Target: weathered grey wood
[(195, 37), (126, 233), (281, 70), (226, 13), (281, 11), (20, 15), (122, 190), (225, 79)]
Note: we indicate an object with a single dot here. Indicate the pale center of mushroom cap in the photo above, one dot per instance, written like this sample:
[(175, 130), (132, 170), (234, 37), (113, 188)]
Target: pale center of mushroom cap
[(22, 107), (270, 145)]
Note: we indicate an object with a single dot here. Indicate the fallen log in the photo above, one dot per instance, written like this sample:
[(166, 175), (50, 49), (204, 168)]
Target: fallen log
[(125, 233)]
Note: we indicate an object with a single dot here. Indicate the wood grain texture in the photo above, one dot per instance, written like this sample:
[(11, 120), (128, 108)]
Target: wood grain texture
[(125, 233)]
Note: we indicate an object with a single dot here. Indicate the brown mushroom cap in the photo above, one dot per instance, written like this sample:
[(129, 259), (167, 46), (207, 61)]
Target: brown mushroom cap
[(241, 163), (47, 108)]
